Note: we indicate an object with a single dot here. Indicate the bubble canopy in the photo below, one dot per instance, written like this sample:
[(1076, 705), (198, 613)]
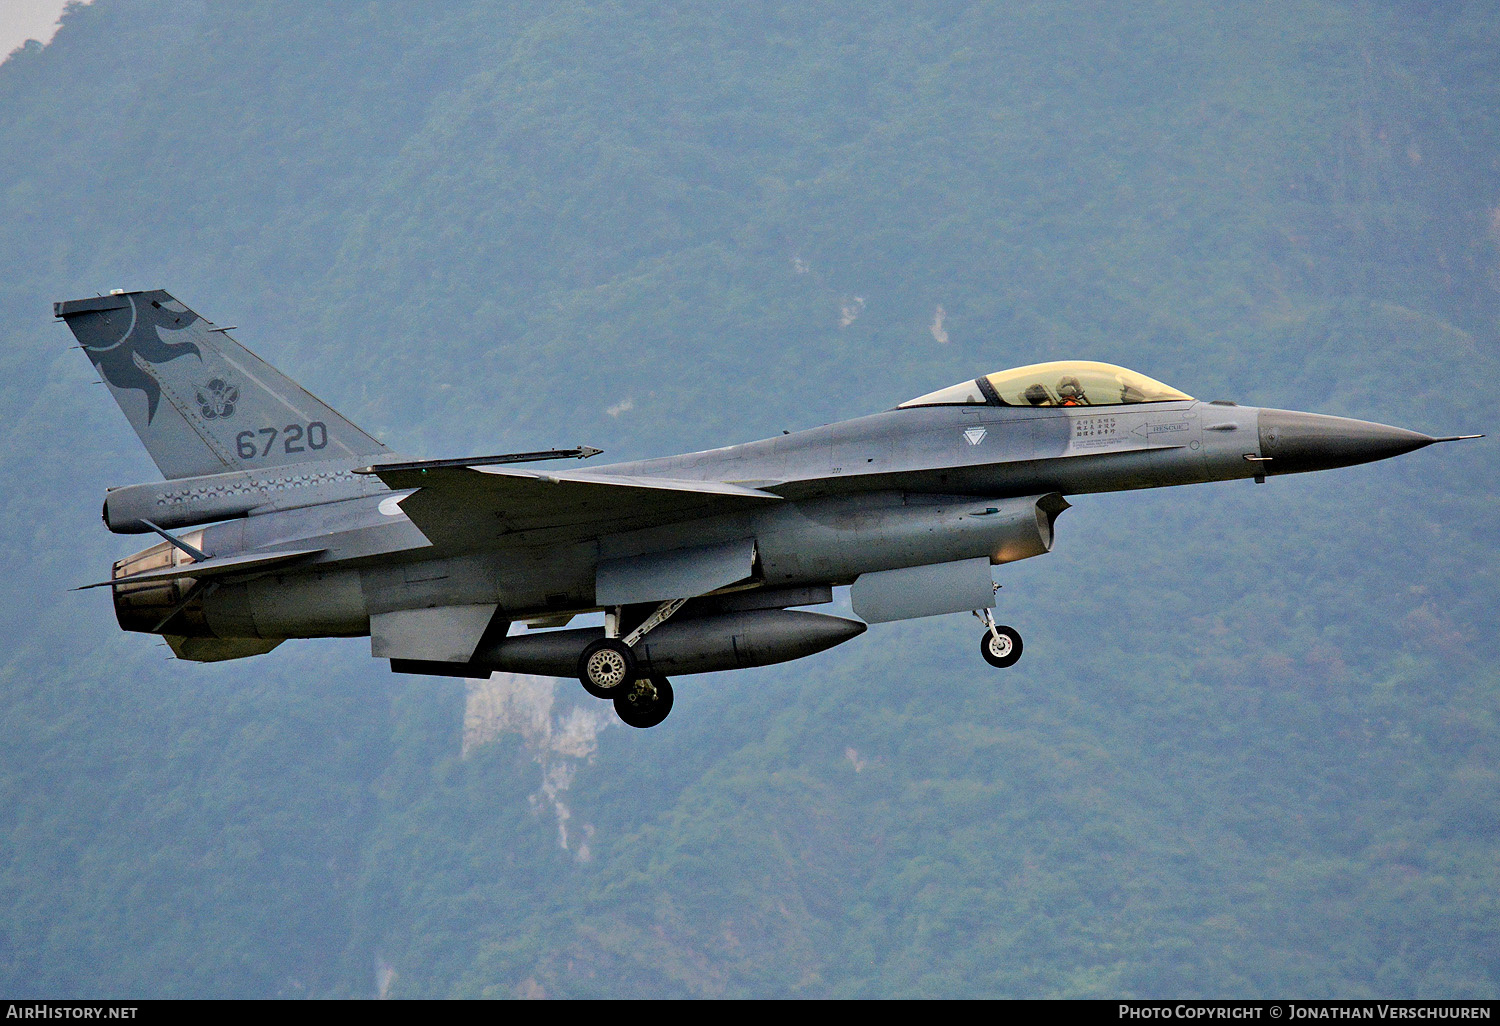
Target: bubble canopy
[(1060, 383)]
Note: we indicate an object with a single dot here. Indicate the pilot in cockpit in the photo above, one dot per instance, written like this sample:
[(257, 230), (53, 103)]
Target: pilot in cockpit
[(1070, 392)]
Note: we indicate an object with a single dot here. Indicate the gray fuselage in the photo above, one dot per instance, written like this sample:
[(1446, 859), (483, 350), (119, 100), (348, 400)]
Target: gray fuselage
[(891, 490)]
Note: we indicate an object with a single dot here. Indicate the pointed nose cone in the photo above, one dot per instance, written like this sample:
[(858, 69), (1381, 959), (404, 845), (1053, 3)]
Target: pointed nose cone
[(1297, 442)]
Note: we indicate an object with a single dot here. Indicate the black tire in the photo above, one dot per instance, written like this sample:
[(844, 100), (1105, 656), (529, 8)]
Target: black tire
[(1001, 647), (606, 668), (645, 703)]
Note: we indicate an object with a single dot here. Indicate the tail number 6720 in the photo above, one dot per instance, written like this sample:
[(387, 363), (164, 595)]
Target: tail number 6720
[(294, 438)]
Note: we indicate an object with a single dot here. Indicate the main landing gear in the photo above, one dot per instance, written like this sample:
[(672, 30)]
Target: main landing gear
[(607, 669), (1000, 645), (645, 702)]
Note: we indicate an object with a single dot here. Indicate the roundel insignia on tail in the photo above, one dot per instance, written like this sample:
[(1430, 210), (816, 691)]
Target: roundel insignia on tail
[(216, 399)]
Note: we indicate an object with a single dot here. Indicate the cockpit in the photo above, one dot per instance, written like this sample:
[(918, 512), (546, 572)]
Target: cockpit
[(1060, 383)]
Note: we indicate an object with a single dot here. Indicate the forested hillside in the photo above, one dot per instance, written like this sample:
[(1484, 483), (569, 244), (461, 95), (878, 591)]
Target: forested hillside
[(1252, 745)]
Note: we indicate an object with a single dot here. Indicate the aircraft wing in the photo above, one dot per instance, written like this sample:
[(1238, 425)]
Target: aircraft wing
[(454, 505)]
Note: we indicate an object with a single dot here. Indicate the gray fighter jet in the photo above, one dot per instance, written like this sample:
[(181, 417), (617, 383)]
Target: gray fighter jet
[(301, 525)]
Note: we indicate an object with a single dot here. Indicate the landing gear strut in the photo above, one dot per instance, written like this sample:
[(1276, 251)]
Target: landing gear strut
[(1000, 645), (607, 667)]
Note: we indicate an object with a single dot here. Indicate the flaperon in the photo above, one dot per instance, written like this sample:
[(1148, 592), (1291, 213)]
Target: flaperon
[(697, 561)]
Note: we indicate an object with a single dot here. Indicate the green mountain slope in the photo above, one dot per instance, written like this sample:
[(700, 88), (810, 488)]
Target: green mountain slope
[(1251, 746)]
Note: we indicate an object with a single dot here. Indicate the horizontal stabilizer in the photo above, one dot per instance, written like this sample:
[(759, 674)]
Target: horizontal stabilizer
[(217, 567)]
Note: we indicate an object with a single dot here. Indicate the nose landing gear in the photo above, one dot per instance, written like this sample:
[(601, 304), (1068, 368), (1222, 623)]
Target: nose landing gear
[(1000, 645)]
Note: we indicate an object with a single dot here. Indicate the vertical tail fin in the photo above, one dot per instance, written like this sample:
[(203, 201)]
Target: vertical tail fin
[(201, 402)]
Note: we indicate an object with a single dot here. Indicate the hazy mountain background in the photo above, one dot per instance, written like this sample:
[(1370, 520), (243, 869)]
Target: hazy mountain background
[(23, 20), (1251, 748)]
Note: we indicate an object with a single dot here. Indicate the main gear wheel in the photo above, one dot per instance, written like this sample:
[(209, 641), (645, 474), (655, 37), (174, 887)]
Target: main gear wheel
[(606, 668), (645, 702)]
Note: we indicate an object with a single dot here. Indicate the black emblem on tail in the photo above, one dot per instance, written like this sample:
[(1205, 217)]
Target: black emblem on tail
[(125, 353)]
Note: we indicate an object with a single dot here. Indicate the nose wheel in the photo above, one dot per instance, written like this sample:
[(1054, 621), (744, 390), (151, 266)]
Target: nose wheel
[(645, 702), (1000, 645)]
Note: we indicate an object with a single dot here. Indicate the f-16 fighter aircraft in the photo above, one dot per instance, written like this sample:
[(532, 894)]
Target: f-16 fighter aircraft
[(301, 525)]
